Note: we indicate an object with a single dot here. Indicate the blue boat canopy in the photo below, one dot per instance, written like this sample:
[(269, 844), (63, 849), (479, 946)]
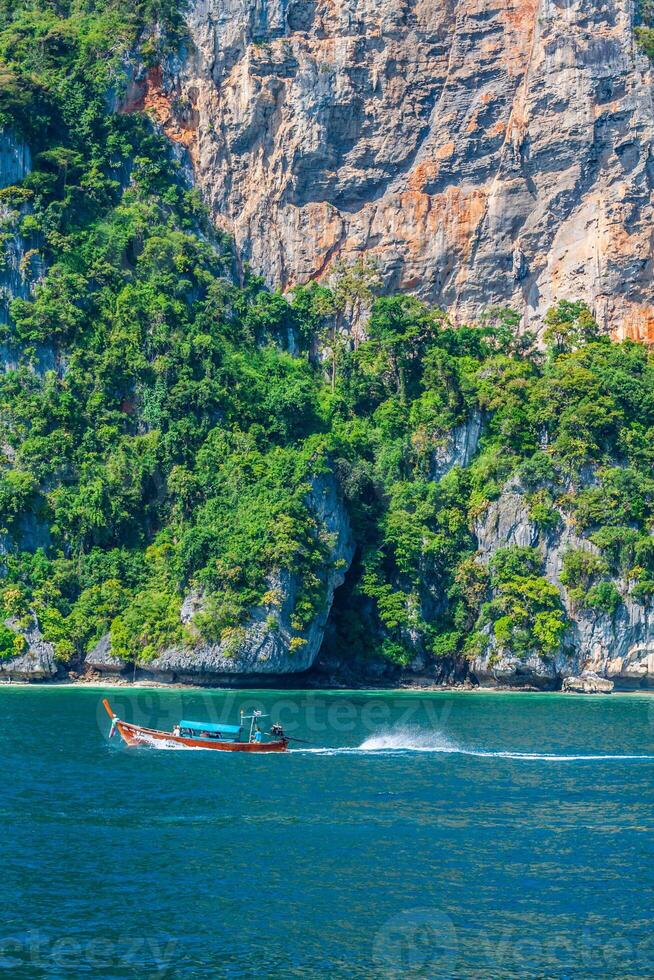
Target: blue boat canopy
[(207, 726)]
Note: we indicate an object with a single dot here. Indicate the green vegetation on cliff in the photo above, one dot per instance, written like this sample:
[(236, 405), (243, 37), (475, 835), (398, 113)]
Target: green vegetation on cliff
[(644, 31), (164, 423)]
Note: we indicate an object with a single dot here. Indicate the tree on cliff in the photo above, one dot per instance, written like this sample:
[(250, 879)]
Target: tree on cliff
[(568, 326), (341, 307)]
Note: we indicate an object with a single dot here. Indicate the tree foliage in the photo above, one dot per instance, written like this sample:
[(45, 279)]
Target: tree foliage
[(165, 423)]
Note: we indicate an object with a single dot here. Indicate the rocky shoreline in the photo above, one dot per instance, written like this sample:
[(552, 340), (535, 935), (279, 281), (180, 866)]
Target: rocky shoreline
[(586, 683), (37, 664), (92, 682)]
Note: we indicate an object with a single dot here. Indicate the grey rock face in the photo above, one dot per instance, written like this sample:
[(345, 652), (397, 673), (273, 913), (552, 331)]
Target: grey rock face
[(459, 446), (20, 264), (102, 659), (617, 647), (588, 683), (28, 533), (37, 663), (265, 647), (510, 671), (495, 152), (505, 523), (15, 159)]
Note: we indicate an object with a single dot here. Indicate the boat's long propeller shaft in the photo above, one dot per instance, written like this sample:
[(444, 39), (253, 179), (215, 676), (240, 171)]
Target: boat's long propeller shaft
[(291, 738)]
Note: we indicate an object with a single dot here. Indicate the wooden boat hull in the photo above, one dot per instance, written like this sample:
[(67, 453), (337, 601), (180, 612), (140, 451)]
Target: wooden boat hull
[(134, 735)]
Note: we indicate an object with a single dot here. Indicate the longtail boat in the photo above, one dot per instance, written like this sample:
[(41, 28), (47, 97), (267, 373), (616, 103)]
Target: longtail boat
[(204, 734)]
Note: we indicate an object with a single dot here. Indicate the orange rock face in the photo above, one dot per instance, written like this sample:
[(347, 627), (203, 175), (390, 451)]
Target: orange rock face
[(484, 152), (148, 95)]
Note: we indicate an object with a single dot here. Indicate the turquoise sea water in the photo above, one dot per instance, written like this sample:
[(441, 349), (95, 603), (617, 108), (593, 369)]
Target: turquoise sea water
[(419, 835)]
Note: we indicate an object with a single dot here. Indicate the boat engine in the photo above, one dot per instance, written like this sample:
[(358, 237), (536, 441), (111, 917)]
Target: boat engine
[(277, 731)]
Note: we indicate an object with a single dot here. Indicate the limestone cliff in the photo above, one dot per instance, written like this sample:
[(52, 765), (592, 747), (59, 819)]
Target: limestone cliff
[(20, 262), (265, 644), (493, 151), (618, 646), (36, 661)]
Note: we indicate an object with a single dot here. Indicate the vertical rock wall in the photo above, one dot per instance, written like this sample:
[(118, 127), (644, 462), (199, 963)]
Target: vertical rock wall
[(486, 151), (20, 267)]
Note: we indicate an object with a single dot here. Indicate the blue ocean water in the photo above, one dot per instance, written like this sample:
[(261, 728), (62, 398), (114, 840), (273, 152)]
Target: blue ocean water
[(417, 835)]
